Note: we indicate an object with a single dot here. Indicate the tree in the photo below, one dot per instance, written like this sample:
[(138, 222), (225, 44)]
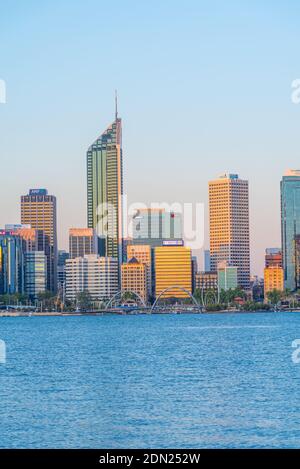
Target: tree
[(274, 296), (84, 300)]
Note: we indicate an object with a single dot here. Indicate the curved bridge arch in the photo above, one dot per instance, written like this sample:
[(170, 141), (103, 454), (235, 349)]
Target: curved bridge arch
[(177, 287), (213, 292), (121, 293)]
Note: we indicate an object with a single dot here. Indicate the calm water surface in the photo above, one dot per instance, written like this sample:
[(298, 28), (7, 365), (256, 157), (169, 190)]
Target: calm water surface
[(179, 381)]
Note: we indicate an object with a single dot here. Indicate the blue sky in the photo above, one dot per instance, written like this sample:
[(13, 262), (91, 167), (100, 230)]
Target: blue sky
[(204, 87)]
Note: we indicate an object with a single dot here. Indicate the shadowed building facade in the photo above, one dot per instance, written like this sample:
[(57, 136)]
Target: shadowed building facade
[(290, 227), (82, 241)]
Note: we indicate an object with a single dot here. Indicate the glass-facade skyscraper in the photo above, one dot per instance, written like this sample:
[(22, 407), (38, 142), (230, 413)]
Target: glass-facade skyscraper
[(290, 227), (11, 264), (105, 190)]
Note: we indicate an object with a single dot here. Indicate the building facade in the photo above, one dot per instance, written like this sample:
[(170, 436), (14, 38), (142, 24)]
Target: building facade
[(173, 267), (273, 257), (206, 281), (134, 278), (38, 209), (229, 225), (35, 273), (143, 254), (153, 226), (290, 225), (12, 276), (105, 190), (227, 277), (207, 260), (273, 279), (97, 275), (82, 241), (61, 269)]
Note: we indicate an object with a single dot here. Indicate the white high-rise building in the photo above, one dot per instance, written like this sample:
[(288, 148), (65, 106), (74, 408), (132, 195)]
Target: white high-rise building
[(97, 275), (229, 225)]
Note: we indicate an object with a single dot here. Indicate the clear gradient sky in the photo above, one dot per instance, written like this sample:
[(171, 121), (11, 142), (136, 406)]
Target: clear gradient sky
[(204, 86)]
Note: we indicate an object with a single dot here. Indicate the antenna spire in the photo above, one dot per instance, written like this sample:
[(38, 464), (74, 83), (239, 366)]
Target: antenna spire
[(116, 104)]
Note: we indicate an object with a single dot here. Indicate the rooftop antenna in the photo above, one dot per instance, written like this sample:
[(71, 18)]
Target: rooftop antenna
[(116, 103)]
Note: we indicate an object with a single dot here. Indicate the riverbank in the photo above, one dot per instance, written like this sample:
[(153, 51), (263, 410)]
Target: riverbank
[(17, 314)]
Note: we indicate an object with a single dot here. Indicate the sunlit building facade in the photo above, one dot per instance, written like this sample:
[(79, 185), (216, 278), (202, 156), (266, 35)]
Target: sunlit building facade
[(134, 278), (206, 281), (173, 267), (273, 279), (82, 241), (38, 209), (143, 254), (105, 190), (229, 225)]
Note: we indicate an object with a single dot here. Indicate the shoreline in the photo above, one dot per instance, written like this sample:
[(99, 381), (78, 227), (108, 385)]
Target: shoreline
[(18, 314)]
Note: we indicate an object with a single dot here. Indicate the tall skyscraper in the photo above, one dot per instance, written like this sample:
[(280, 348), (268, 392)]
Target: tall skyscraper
[(290, 225), (38, 209), (105, 189), (229, 225), (82, 241), (11, 263)]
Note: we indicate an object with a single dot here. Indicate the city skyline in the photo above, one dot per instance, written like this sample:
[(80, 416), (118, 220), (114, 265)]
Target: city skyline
[(57, 101), (287, 174)]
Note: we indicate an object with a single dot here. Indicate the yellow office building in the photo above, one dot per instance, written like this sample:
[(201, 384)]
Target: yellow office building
[(273, 279), (173, 267)]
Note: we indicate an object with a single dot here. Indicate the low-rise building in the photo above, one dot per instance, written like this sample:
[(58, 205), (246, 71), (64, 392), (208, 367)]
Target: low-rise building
[(206, 281), (273, 279), (227, 277)]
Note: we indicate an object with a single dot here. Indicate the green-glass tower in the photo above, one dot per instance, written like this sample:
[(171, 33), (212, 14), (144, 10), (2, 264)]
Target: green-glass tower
[(105, 189)]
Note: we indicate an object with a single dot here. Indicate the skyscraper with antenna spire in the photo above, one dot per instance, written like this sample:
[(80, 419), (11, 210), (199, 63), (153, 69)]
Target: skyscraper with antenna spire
[(105, 188)]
